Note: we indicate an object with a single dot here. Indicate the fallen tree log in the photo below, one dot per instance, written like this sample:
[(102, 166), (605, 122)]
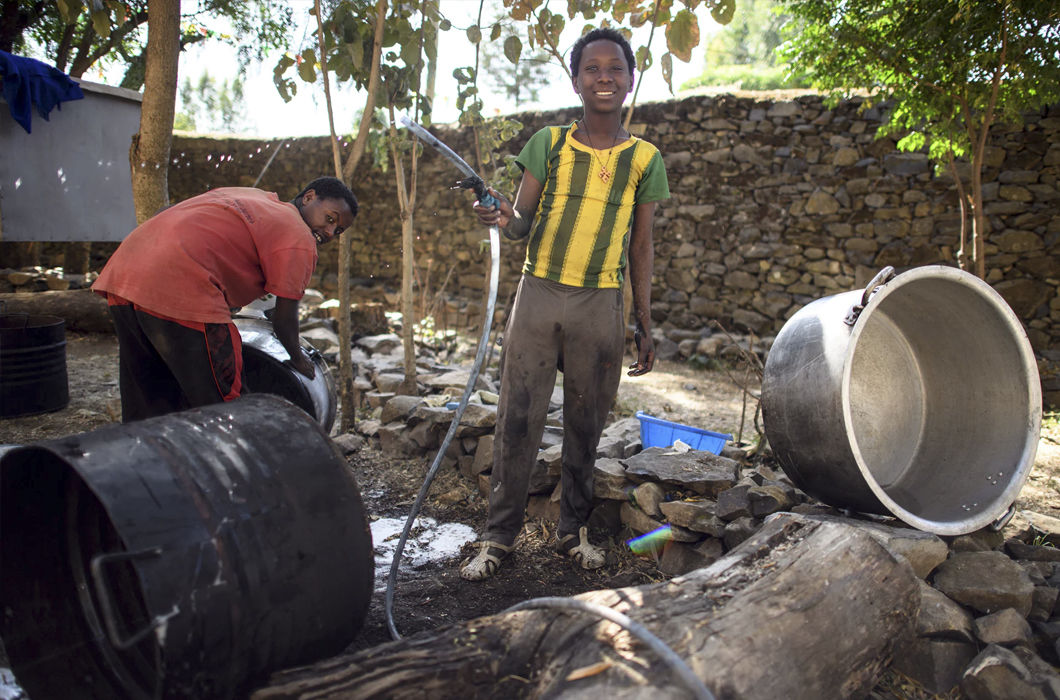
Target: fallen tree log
[(83, 310), (800, 610)]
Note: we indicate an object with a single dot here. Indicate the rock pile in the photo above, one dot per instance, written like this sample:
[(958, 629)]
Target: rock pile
[(988, 619)]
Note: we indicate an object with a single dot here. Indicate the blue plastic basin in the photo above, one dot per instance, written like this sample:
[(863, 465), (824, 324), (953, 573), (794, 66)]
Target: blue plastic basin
[(656, 432)]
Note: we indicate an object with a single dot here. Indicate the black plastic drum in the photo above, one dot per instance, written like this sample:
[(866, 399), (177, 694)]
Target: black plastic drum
[(184, 556), (32, 365)]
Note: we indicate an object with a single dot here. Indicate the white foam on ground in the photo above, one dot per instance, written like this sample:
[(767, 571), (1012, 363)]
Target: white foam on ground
[(9, 688), (428, 541)]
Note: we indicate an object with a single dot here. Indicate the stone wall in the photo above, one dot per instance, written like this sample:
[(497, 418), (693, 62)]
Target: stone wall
[(774, 204)]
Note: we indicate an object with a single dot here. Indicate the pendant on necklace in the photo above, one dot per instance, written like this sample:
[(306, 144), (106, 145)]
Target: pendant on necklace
[(604, 174)]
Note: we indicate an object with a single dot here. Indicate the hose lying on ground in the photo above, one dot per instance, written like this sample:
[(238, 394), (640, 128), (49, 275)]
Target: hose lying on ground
[(480, 354)]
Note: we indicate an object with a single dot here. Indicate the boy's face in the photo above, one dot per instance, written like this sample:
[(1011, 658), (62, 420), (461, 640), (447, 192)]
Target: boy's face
[(326, 217), (603, 79)]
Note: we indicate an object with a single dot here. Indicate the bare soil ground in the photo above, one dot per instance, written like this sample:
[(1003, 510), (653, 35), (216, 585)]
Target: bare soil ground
[(434, 594)]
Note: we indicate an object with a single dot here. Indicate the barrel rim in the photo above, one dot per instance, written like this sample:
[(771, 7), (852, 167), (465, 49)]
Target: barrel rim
[(42, 321)]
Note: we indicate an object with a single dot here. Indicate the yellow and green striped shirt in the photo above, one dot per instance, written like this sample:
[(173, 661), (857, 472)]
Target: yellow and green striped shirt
[(581, 228)]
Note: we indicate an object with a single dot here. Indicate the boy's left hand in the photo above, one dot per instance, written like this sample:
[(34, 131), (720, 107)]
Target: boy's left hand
[(645, 354)]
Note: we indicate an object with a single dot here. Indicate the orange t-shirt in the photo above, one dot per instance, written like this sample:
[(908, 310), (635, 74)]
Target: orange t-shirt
[(217, 251)]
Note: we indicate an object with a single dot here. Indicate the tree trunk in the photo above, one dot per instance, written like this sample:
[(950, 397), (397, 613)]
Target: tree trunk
[(149, 154), (350, 401), (82, 309), (802, 610), (406, 201)]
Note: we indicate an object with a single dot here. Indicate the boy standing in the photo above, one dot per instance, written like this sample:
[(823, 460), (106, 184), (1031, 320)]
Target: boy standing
[(586, 200)]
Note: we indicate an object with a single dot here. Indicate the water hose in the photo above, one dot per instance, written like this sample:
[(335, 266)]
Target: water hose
[(675, 662), (474, 182), (480, 354)]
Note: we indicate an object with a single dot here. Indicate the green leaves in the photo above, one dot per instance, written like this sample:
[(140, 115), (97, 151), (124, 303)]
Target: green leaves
[(285, 86), (513, 48), (722, 11), (69, 10), (99, 14), (682, 35), (949, 69), (101, 21), (307, 69)]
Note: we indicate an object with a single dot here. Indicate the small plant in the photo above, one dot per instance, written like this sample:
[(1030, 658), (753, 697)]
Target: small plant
[(1051, 426), (1042, 540)]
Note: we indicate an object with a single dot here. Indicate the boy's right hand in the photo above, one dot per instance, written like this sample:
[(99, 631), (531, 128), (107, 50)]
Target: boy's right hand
[(498, 216)]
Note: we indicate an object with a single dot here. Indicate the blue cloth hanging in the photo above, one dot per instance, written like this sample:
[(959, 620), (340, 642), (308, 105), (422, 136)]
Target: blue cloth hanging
[(29, 82)]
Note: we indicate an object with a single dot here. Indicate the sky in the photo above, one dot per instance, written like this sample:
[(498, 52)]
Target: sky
[(267, 115)]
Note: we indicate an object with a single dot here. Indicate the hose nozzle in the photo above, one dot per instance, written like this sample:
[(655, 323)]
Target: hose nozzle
[(475, 183)]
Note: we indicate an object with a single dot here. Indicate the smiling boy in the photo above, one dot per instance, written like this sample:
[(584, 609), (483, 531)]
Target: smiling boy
[(173, 281), (585, 204)]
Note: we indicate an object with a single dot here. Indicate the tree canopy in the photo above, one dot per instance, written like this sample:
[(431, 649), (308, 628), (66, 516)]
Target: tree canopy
[(76, 36), (947, 70)]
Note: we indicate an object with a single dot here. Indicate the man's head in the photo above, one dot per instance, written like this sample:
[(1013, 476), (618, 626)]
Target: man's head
[(607, 34), (327, 206)]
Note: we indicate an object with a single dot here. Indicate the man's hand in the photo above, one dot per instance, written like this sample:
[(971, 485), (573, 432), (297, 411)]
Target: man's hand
[(302, 364)]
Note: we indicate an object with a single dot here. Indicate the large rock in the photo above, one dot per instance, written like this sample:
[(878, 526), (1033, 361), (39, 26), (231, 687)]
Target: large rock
[(998, 674), (379, 343), (1005, 627), (457, 378), (985, 581), (399, 408), (694, 515), (609, 480), (679, 558), (941, 618), (734, 503), (937, 664), (701, 472)]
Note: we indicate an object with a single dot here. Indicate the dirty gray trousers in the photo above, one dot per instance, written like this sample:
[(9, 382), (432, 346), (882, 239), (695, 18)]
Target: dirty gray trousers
[(552, 326)]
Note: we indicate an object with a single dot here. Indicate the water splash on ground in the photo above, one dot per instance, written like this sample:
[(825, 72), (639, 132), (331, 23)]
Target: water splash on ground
[(428, 541)]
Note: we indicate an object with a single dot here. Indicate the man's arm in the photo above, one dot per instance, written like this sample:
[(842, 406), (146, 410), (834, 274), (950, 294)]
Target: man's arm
[(641, 262), (285, 323)]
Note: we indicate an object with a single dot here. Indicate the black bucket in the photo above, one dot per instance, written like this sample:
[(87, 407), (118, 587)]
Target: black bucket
[(32, 365), (185, 556)]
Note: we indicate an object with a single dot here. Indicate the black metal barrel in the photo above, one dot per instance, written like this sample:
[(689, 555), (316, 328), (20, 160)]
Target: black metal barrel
[(32, 365), (185, 556)]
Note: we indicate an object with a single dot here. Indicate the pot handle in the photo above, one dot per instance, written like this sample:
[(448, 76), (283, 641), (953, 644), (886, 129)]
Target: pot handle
[(107, 607), (1002, 521), (882, 277)]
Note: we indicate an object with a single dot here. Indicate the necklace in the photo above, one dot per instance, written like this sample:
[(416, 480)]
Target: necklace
[(605, 173)]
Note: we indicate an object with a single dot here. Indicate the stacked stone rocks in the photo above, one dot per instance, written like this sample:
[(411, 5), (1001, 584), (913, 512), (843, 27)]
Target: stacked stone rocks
[(774, 204)]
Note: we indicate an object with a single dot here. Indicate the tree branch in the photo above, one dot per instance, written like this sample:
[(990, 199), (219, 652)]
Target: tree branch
[(360, 143)]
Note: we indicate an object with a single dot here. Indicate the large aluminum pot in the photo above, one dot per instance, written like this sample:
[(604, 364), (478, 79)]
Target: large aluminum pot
[(918, 397), (267, 372)]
